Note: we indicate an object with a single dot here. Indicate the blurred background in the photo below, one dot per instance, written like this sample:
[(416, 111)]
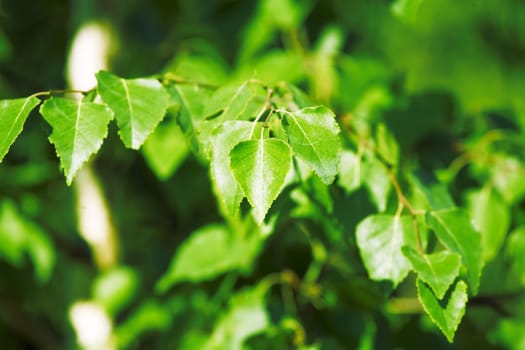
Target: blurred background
[(441, 75)]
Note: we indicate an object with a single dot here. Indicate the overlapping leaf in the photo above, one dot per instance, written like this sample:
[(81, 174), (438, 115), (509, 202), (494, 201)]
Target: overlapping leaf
[(78, 130), (454, 230), (349, 171), (236, 101), (210, 251), (387, 146), (314, 136), (446, 317), (139, 105), (191, 98), (224, 138), (375, 177), (260, 167), (491, 216), (165, 149), (380, 238), (438, 270), (13, 114), (246, 315)]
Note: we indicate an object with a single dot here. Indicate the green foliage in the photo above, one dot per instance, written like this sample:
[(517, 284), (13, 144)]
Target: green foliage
[(447, 316), (313, 135), (139, 105), (260, 167), (454, 229), (383, 178), (14, 114), (20, 237), (380, 238), (79, 129)]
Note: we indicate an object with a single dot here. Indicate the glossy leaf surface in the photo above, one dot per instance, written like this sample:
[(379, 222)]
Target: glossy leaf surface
[(13, 114), (260, 167), (224, 138), (454, 229), (314, 136), (79, 129), (448, 314), (438, 270), (139, 105), (380, 238)]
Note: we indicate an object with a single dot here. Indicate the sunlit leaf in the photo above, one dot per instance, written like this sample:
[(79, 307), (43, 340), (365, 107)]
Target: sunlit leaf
[(314, 136), (139, 105), (507, 176), (191, 98), (236, 101), (224, 138), (349, 171), (374, 175), (491, 217), (79, 129), (13, 114), (514, 251), (260, 167), (447, 314), (387, 146), (438, 270), (454, 229), (380, 238)]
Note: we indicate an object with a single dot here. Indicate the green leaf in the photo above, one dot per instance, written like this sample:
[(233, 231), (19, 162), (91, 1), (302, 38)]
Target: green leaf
[(236, 101), (514, 251), (491, 217), (349, 171), (507, 176), (454, 229), (446, 317), (13, 116), (438, 270), (387, 146), (380, 238), (191, 99), (435, 193), (508, 333), (374, 175), (260, 167), (115, 288), (166, 149), (210, 251), (139, 105), (406, 10), (274, 67), (19, 237), (147, 317), (79, 129), (224, 138), (245, 317), (207, 68), (314, 136)]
